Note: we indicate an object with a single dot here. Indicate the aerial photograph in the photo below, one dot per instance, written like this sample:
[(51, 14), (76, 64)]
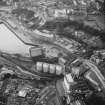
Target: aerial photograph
[(52, 52)]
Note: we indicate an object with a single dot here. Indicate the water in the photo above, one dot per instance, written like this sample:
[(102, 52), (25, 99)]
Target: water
[(10, 43)]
